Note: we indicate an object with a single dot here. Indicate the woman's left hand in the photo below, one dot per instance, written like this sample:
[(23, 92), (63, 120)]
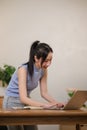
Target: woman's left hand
[(60, 105)]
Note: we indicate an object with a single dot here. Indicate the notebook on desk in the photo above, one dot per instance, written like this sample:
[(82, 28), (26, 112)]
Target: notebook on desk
[(77, 100)]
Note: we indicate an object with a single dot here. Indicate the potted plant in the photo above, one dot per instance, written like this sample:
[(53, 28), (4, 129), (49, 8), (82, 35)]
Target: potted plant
[(5, 75)]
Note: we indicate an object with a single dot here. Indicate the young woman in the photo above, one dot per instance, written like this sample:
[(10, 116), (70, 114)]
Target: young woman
[(25, 80)]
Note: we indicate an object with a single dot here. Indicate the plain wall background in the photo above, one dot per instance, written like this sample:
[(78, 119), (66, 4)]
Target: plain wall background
[(60, 23)]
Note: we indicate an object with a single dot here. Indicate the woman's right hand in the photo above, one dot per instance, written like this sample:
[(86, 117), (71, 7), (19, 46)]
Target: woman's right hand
[(49, 106), (53, 106)]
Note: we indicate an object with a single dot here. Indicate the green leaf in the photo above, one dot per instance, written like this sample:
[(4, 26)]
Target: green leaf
[(6, 73)]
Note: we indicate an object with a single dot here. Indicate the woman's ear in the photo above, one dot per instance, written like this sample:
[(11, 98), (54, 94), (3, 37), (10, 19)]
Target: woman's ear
[(35, 58)]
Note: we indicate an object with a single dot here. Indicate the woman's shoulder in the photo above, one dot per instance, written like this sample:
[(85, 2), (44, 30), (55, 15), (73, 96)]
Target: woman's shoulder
[(23, 66)]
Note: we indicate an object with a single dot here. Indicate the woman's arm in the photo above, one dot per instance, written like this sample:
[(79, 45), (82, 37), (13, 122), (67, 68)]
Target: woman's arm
[(22, 79), (22, 76), (44, 91), (43, 88)]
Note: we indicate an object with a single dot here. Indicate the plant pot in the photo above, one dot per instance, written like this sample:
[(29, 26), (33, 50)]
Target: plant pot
[(2, 91)]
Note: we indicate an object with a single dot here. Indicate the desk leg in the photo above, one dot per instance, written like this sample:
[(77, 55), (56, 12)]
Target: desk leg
[(78, 127)]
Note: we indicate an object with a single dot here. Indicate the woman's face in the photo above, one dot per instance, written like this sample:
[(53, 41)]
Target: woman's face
[(46, 63)]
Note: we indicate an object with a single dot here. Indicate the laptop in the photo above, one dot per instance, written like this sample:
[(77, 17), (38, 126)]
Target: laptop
[(77, 100)]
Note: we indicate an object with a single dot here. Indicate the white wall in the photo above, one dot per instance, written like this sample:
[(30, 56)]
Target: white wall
[(60, 23)]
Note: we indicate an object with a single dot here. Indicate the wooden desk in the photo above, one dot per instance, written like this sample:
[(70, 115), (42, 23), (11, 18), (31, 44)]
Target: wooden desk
[(34, 117)]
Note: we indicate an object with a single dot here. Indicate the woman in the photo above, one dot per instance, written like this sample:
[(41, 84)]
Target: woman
[(25, 80)]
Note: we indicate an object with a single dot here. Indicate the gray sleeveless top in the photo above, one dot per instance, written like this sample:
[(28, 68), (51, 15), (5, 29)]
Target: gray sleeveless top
[(13, 88)]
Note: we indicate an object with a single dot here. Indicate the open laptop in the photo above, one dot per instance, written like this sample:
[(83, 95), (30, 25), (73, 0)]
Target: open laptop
[(77, 100)]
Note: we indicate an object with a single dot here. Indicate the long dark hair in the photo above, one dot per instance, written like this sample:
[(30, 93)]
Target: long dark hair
[(40, 50)]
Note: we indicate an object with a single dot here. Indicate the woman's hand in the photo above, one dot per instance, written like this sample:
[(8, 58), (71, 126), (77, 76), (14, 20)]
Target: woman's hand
[(60, 105), (49, 106), (53, 106)]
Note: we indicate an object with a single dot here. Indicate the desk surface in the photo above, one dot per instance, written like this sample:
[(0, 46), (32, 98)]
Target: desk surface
[(42, 112), (32, 117)]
